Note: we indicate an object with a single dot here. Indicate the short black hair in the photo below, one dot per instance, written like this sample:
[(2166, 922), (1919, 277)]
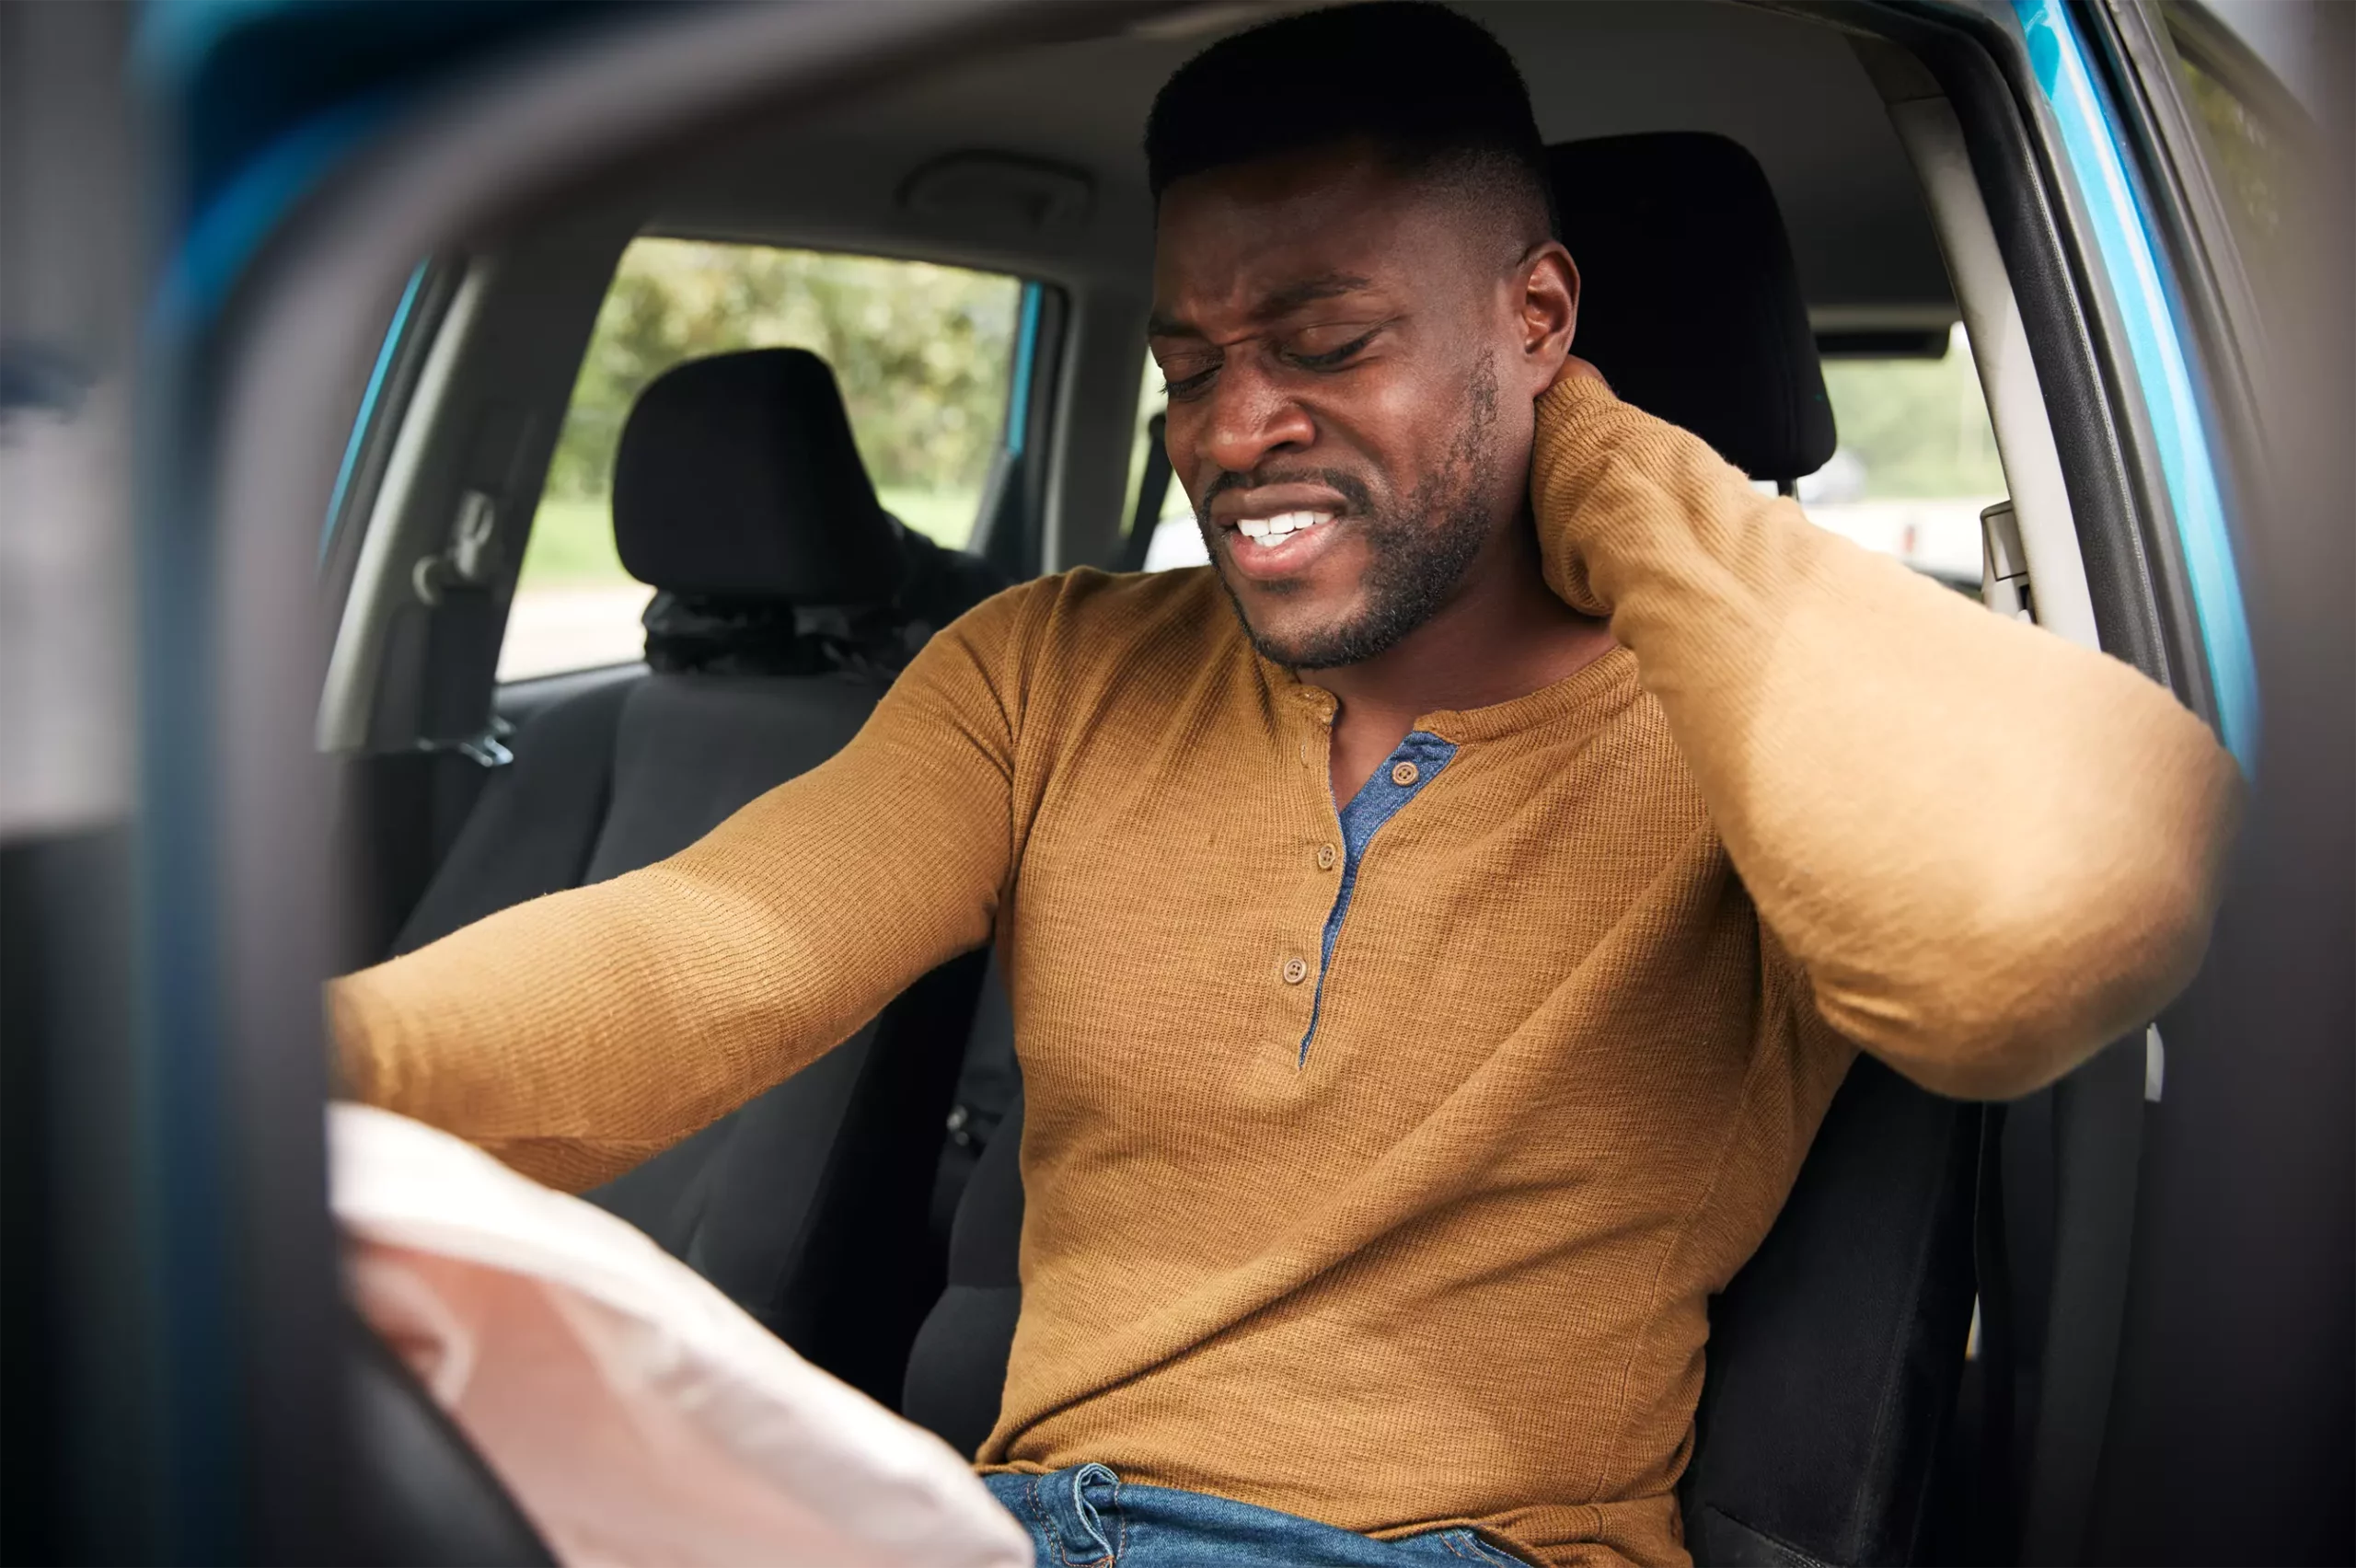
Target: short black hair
[(1433, 90)]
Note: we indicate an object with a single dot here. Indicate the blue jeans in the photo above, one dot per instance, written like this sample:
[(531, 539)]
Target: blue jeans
[(1088, 1517)]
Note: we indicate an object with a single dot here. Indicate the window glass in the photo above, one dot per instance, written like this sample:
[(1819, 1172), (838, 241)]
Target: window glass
[(2259, 171), (1916, 464), (1917, 461), (1176, 541), (2244, 156), (924, 355)]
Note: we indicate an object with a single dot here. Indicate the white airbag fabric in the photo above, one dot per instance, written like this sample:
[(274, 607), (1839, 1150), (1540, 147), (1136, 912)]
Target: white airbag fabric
[(636, 1413)]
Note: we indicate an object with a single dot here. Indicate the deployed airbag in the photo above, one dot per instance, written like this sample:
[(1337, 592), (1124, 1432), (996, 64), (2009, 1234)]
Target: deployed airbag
[(636, 1413)]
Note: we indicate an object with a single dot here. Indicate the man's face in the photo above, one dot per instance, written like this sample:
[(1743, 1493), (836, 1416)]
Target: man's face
[(1333, 335)]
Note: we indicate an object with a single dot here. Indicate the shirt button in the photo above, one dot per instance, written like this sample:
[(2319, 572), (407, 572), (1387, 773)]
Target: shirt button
[(1403, 774), (1296, 971), (1324, 857)]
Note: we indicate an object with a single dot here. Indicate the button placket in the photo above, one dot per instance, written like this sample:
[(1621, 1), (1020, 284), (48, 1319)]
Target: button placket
[(1393, 784)]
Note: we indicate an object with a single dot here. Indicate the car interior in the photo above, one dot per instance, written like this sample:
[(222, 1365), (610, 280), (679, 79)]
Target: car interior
[(1756, 196)]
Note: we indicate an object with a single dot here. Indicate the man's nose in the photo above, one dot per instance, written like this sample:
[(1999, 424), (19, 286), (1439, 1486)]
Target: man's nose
[(1251, 418)]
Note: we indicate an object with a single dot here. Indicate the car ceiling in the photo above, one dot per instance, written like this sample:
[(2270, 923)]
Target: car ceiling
[(1790, 91)]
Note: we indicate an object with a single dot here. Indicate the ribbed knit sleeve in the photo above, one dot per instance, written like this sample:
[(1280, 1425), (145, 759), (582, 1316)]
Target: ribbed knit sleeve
[(576, 1034), (1992, 850)]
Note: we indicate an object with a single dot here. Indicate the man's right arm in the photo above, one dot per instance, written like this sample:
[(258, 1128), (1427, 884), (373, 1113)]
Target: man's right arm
[(1991, 851), (577, 1034)]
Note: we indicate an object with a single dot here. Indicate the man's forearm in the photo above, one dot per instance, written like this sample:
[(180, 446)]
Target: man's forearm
[(576, 1034), (1992, 850)]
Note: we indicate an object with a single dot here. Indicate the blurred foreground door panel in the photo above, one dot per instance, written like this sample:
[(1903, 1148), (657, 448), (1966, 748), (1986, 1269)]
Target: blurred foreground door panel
[(318, 152), (78, 1429), (2233, 1425)]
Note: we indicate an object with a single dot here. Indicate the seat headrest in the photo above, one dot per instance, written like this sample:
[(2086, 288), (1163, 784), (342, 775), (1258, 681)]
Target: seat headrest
[(737, 477), (1689, 302)]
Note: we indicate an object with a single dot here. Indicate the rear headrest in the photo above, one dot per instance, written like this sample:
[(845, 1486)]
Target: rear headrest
[(737, 479), (1689, 302)]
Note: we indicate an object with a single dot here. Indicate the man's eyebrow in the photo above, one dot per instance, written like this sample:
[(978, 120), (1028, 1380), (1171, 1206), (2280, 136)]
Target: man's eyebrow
[(1308, 291), (1282, 303)]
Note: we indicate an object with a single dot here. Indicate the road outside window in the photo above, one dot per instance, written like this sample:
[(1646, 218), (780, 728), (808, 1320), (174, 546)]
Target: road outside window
[(924, 355), (1916, 464)]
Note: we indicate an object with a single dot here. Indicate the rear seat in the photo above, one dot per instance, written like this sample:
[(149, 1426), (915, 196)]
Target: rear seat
[(788, 599)]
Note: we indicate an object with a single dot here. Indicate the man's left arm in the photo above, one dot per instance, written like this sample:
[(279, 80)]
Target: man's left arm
[(1992, 850)]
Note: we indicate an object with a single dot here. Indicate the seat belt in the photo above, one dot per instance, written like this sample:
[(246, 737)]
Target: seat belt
[(1152, 484)]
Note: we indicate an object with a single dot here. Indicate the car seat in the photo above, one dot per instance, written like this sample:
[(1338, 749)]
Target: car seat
[(787, 600), (1835, 1353)]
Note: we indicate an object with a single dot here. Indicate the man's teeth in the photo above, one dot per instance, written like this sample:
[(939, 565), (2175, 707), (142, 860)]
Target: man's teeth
[(1269, 530)]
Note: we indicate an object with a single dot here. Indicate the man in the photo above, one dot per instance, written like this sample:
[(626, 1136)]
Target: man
[(1436, 930)]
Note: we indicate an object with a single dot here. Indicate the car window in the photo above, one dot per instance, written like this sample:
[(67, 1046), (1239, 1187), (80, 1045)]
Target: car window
[(1917, 459), (2245, 154), (1916, 464), (2259, 157), (1176, 541), (924, 355)]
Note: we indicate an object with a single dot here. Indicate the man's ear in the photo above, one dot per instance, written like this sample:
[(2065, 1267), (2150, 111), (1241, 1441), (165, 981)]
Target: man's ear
[(1550, 312)]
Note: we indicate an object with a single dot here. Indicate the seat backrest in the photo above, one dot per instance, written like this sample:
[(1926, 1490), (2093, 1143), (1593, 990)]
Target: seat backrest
[(957, 1367), (787, 600), (1835, 1353)]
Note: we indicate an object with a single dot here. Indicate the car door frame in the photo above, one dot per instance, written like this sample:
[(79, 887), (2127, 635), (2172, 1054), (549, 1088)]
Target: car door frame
[(2055, 1226), (2259, 1063)]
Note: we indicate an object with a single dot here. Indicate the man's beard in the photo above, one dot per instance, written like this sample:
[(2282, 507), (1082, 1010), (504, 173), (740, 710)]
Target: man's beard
[(1418, 552)]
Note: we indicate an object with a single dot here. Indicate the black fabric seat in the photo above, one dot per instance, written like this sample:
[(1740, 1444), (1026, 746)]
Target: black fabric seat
[(957, 1368), (788, 599), (1835, 1354)]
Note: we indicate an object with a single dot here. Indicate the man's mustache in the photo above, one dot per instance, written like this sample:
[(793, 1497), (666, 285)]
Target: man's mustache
[(1353, 491)]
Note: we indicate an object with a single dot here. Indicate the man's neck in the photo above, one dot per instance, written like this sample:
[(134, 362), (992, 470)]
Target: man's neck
[(1503, 636)]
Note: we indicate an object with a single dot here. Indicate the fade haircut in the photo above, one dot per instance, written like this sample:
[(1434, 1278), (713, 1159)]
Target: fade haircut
[(1436, 95)]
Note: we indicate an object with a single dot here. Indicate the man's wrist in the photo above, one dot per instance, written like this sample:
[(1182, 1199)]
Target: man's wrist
[(1579, 426), (1576, 427)]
